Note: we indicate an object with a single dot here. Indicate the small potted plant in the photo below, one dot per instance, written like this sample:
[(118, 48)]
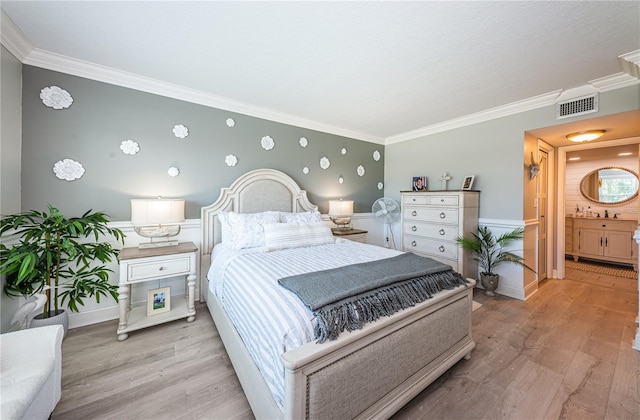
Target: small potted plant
[(490, 253), (56, 255)]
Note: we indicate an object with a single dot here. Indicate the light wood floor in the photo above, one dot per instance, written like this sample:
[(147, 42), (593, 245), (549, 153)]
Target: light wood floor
[(564, 354)]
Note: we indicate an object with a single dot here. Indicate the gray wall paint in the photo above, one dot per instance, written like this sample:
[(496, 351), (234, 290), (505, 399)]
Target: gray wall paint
[(103, 115), (10, 117), (493, 151)]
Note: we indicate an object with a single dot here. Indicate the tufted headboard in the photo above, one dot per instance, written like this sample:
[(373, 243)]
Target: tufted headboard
[(256, 191)]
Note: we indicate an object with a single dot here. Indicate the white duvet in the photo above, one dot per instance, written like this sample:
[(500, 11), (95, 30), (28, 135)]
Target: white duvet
[(270, 319)]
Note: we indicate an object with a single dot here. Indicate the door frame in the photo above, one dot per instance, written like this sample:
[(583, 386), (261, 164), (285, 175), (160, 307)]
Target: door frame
[(551, 205)]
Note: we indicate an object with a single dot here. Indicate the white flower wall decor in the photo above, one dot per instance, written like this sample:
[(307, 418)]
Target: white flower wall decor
[(380, 185), (305, 170), (129, 147), (343, 151), (324, 162), (231, 160), (341, 179), (267, 143), (55, 97), (173, 171), (180, 131), (303, 142), (68, 169), (231, 122), (360, 170), (376, 156)]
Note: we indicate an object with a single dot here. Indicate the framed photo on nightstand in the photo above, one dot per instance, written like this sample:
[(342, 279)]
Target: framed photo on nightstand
[(159, 301)]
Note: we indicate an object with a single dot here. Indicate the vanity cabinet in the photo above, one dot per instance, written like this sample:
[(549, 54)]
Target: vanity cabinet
[(605, 239), (431, 222)]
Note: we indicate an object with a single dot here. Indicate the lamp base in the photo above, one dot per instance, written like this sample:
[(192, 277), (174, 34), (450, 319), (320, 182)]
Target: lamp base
[(147, 245)]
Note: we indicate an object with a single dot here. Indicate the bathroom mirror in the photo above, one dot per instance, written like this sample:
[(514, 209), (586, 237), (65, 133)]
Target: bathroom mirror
[(610, 185)]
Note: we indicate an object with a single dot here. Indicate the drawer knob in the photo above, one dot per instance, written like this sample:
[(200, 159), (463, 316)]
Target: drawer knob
[(441, 248), (442, 200), (413, 199), (442, 215), (414, 228), (160, 268), (413, 243), (414, 213), (441, 231)]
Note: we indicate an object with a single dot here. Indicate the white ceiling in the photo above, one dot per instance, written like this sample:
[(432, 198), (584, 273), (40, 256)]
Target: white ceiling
[(372, 70)]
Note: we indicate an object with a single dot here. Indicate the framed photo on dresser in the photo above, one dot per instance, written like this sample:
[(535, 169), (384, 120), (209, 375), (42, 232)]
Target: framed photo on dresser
[(419, 183), (467, 184)]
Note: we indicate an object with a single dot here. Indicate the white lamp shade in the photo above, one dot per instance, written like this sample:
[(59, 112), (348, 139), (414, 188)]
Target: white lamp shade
[(340, 207), (156, 211)]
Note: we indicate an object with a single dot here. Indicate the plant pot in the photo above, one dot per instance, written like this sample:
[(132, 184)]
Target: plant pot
[(62, 318), (489, 282)]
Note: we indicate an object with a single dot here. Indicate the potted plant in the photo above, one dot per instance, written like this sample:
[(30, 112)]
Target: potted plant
[(490, 253), (56, 255)]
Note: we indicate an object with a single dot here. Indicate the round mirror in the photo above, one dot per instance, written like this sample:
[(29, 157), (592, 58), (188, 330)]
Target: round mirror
[(610, 185)]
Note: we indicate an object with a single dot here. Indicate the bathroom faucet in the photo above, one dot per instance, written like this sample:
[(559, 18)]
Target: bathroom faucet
[(606, 213)]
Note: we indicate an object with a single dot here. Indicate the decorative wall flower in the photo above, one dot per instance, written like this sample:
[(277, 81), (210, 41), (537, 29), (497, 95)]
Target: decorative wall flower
[(305, 170), (231, 122), (267, 143), (360, 170), (231, 160), (380, 185), (343, 151), (341, 179), (173, 171), (55, 97), (129, 147), (180, 131), (376, 156), (68, 169), (303, 142), (324, 162)]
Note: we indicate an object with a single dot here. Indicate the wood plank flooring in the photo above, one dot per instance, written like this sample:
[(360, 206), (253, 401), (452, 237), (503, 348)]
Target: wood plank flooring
[(564, 354)]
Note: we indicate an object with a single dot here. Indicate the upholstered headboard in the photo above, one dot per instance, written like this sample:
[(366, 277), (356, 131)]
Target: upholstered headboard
[(253, 192)]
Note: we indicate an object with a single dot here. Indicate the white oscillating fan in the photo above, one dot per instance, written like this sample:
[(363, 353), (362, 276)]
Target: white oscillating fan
[(389, 210)]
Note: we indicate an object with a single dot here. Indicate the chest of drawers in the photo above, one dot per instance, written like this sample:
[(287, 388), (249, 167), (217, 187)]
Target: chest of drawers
[(431, 222)]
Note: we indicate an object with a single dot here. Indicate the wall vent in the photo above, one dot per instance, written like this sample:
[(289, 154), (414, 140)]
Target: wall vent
[(577, 106)]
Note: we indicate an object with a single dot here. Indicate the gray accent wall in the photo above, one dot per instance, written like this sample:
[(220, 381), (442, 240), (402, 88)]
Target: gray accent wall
[(10, 122), (102, 116)]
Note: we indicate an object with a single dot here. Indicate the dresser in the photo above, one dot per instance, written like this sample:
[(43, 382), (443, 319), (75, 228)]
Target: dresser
[(433, 220)]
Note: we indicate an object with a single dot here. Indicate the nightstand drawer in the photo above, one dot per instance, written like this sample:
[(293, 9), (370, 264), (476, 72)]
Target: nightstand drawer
[(164, 268)]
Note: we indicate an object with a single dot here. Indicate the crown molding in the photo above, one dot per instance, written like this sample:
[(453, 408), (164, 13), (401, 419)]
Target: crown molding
[(478, 117), (13, 39), (630, 63)]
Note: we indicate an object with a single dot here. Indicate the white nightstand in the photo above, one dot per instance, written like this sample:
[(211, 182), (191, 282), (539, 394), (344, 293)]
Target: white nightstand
[(141, 265), (351, 234)]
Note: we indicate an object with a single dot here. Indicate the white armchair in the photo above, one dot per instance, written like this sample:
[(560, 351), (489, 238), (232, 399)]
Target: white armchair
[(30, 372)]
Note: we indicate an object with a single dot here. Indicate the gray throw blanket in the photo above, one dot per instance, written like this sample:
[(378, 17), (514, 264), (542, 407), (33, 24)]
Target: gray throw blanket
[(346, 298)]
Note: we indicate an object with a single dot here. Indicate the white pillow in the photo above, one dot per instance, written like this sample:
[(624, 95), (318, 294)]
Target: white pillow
[(294, 235), (226, 231), (247, 229), (312, 216)]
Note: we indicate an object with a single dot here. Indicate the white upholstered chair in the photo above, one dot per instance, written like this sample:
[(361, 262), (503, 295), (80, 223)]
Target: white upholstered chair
[(30, 372)]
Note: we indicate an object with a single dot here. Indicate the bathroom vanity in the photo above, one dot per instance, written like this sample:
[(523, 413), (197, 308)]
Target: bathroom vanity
[(605, 239)]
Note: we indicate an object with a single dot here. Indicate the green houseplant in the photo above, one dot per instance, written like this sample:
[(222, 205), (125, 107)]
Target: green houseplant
[(490, 253), (55, 254)]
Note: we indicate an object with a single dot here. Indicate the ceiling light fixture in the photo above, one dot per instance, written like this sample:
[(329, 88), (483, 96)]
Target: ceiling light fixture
[(585, 135), (574, 158), (625, 154)]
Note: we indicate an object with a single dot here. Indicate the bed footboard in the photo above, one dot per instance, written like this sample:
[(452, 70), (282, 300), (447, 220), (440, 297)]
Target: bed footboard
[(375, 371)]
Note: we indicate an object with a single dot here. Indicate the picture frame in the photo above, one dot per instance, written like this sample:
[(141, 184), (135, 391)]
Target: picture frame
[(467, 183), (419, 183), (158, 301)]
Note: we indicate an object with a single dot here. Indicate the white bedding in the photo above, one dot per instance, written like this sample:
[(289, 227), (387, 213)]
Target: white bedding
[(270, 319)]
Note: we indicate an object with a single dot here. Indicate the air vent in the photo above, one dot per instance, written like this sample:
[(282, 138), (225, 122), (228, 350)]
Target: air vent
[(579, 106)]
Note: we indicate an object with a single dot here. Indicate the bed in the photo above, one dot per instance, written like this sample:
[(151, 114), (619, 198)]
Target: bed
[(368, 373)]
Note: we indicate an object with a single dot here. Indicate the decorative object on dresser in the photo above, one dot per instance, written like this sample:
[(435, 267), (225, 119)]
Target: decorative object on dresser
[(55, 254), (419, 183), (444, 179), (340, 212), (153, 264), (490, 252), (389, 211), (467, 183), (431, 222), (157, 218), (357, 235), (604, 239)]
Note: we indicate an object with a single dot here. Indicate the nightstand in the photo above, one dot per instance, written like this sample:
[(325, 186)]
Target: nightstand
[(351, 234), (142, 265)]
